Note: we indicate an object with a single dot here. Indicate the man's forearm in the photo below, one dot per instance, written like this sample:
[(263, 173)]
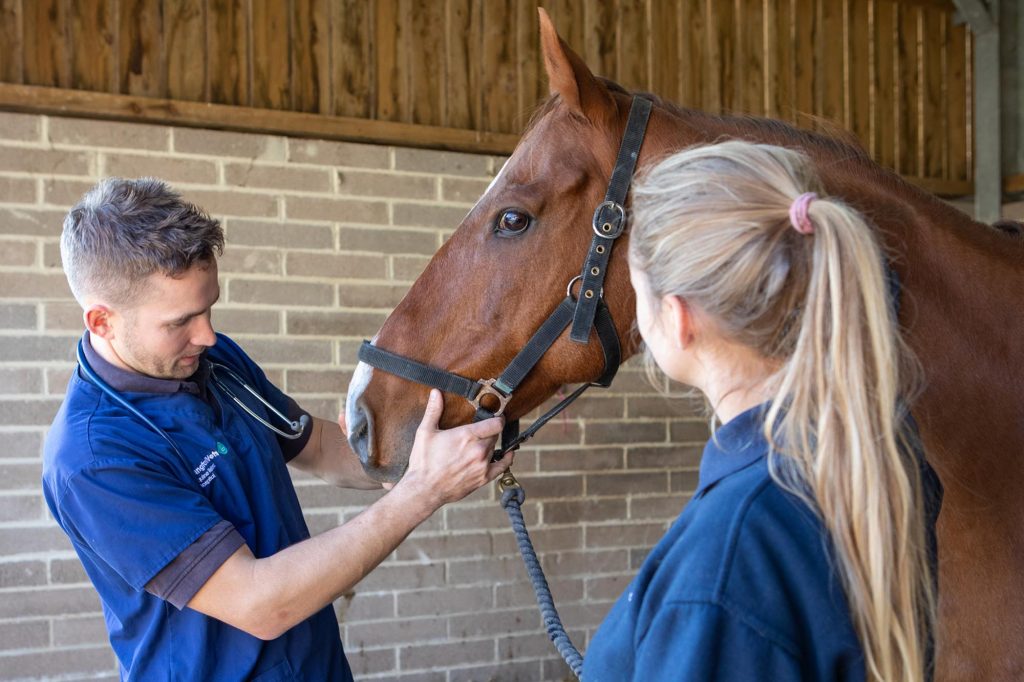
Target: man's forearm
[(266, 597)]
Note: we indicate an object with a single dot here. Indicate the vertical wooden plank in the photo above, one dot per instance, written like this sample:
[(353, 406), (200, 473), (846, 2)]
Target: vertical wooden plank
[(311, 41), (935, 150), (351, 63), (883, 114), (464, 38), (92, 45), (392, 67), (694, 66), (830, 76), (140, 39), (46, 40), (227, 67), (957, 100), (969, 109), (665, 53), (568, 17), (271, 55), (858, 60), (630, 45), (749, 76), (530, 87), (12, 62), (185, 38), (718, 95), (426, 75), (908, 88), (599, 24), (805, 31), (776, 32), (499, 80)]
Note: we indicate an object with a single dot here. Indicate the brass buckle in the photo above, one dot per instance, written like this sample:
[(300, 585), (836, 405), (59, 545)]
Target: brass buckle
[(487, 388)]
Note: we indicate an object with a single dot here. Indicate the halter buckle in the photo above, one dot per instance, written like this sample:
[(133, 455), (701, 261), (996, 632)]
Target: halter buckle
[(612, 227), (487, 388)]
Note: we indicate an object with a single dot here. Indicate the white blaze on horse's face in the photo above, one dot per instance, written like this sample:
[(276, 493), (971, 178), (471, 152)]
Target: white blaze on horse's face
[(494, 182), (360, 380)]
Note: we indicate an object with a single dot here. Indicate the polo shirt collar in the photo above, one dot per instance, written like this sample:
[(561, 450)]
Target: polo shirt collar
[(124, 381), (736, 445)]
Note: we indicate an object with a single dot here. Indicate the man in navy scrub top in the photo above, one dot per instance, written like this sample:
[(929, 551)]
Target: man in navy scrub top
[(177, 500)]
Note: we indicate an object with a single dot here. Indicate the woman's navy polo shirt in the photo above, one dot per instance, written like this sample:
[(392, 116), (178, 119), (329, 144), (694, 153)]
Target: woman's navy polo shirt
[(740, 588), (131, 505)]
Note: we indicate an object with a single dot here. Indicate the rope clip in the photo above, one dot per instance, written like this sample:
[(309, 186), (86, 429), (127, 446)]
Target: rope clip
[(507, 481)]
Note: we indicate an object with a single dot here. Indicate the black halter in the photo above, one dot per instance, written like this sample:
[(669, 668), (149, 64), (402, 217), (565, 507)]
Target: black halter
[(587, 311)]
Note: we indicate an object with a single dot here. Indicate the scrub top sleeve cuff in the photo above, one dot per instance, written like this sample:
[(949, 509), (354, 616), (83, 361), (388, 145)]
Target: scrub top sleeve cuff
[(179, 580), (291, 448)]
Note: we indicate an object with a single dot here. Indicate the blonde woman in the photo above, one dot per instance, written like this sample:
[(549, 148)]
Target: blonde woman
[(807, 551)]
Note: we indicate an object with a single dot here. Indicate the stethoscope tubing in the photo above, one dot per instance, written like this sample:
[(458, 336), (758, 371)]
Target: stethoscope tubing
[(298, 427)]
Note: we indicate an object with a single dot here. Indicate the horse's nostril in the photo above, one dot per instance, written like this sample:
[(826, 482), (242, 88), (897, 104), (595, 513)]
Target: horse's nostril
[(359, 432)]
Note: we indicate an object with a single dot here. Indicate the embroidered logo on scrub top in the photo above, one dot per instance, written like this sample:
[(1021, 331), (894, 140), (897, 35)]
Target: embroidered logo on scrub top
[(207, 468)]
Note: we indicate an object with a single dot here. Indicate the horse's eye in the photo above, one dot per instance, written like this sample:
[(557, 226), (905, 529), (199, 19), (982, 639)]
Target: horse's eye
[(513, 222)]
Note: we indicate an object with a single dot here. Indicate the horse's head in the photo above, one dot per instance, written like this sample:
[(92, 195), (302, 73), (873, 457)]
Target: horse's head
[(505, 268)]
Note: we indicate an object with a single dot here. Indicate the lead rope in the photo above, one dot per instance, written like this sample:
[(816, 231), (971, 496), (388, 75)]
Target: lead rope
[(512, 498)]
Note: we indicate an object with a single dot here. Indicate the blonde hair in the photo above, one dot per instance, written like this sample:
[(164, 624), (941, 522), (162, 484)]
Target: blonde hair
[(712, 226)]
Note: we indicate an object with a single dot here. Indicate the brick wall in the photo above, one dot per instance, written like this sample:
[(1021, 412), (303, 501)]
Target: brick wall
[(323, 239)]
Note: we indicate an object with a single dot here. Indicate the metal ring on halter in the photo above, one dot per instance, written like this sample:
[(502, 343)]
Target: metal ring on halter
[(610, 233), (487, 388), (577, 278)]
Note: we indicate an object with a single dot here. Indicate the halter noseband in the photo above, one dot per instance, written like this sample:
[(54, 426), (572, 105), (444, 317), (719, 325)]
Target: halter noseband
[(587, 311)]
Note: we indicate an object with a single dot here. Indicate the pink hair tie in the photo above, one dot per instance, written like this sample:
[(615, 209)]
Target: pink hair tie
[(798, 213)]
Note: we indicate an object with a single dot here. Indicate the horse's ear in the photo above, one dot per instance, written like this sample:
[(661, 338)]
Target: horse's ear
[(568, 75)]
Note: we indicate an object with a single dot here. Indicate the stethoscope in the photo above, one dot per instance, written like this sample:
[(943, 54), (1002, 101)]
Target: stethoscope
[(297, 427)]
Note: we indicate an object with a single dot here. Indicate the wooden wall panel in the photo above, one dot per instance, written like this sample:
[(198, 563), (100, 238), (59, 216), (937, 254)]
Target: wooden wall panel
[(805, 74), (883, 114), (391, 29), (693, 32), (894, 72), (140, 48), (858, 52), (12, 53), (311, 77), (499, 101), (185, 31), (351, 65), (908, 90), (227, 46), (271, 71), (749, 77), (830, 58), (958, 101), (463, 57), (93, 62), (631, 45), (45, 40), (598, 41)]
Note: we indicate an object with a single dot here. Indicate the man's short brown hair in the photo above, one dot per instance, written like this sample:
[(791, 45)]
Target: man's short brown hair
[(122, 231)]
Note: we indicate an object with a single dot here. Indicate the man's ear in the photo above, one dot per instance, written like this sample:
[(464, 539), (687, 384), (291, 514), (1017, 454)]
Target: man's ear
[(568, 75), (677, 316), (98, 320)]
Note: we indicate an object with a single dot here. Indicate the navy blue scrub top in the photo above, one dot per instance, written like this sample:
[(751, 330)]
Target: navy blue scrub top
[(130, 505), (741, 587)]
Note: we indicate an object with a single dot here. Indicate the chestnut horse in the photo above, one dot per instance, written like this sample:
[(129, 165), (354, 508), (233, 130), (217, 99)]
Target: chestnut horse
[(507, 266)]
